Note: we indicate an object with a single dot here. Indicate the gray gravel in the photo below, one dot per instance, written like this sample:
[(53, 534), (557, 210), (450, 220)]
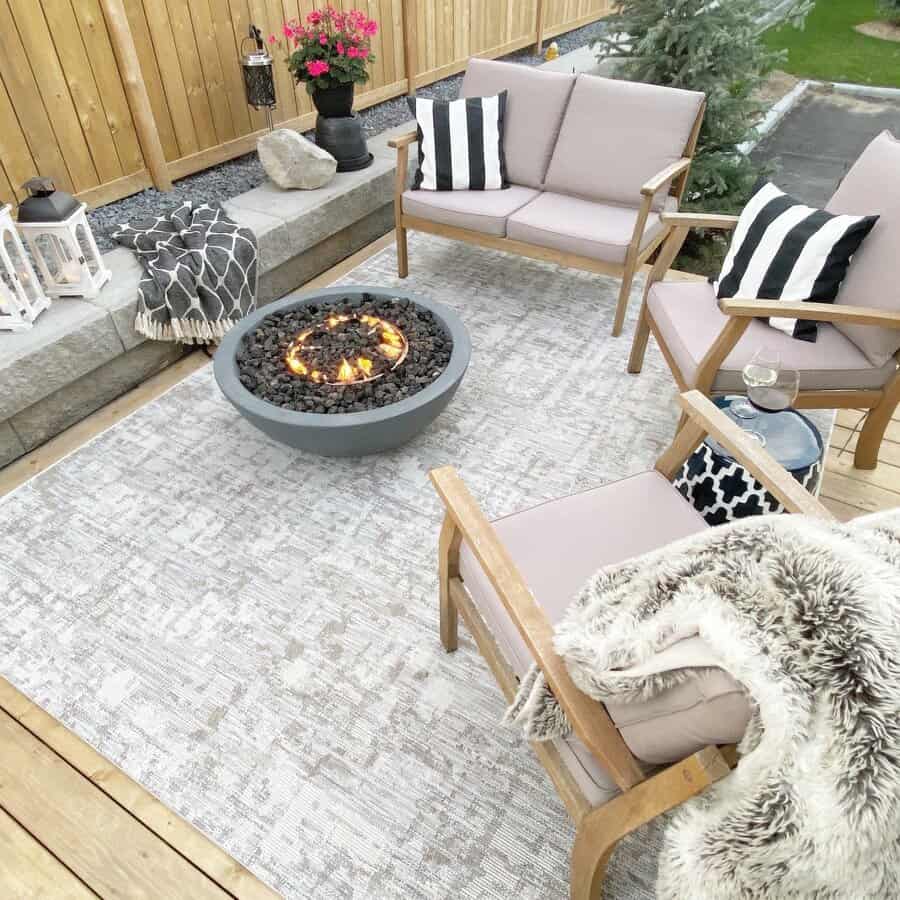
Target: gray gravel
[(245, 173)]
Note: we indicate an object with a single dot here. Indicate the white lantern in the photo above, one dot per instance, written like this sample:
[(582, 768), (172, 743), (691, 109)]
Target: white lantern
[(55, 227), (22, 298)]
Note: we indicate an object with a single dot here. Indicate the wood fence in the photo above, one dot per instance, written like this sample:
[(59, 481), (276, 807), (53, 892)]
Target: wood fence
[(111, 96)]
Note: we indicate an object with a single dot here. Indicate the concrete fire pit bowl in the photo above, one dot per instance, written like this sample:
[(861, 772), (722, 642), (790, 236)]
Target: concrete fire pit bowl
[(351, 433)]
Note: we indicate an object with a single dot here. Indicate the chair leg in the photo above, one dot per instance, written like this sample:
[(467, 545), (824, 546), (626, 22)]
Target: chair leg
[(402, 253), (624, 294), (602, 828), (869, 441), (641, 336), (448, 567), (664, 259)]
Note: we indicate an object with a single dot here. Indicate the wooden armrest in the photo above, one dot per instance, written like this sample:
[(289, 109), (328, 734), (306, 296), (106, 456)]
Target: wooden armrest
[(699, 220), (404, 140), (751, 455), (819, 312), (589, 718), (667, 174)]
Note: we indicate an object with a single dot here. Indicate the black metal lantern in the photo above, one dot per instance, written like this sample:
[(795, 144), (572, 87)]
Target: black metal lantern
[(259, 81)]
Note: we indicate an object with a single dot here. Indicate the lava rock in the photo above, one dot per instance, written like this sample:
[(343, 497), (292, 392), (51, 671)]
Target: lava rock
[(262, 368)]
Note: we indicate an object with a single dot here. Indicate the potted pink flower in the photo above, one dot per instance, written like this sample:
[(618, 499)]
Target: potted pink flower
[(331, 53)]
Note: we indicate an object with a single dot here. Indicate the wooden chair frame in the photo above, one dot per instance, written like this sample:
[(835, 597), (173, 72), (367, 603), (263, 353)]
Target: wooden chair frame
[(642, 797), (880, 402), (635, 257)]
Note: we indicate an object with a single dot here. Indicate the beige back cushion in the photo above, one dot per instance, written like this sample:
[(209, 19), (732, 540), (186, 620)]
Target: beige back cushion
[(618, 134), (535, 106), (872, 187)]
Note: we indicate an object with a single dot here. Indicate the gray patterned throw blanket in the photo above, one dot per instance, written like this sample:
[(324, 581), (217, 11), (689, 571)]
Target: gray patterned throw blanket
[(806, 615), (200, 273)]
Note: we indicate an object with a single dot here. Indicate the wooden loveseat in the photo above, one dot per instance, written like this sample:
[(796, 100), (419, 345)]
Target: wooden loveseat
[(593, 163)]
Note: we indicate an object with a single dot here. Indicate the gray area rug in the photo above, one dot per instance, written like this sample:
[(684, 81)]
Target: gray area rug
[(250, 632)]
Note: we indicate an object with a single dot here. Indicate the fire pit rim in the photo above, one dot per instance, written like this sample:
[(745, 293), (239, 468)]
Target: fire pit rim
[(225, 366)]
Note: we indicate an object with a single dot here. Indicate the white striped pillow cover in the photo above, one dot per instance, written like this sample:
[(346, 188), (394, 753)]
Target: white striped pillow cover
[(460, 143), (783, 250)]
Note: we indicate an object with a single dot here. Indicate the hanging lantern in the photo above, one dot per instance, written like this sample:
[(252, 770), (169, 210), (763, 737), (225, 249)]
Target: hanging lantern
[(259, 81), (56, 230), (22, 299)]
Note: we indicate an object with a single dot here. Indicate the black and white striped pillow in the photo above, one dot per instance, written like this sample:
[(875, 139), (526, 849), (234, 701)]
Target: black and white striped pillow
[(460, 143), (783, 250)]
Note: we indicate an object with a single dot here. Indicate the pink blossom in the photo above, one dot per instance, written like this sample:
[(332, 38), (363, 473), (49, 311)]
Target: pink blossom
[(314, 17), (323, 39), (339, 46), (370, 28), (288, 31), (363, 52), (352, 52), (272, 38), (317, 67)]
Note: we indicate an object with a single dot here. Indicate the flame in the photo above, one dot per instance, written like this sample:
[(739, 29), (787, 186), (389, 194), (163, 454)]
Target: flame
[(391, 346), (346, 372), (389, 351), (297, 366)]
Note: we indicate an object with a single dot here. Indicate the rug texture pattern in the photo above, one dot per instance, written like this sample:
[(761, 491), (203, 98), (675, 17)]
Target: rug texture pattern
[(251, 632)]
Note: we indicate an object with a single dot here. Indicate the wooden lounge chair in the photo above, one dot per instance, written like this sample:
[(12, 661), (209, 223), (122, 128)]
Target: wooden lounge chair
[(592, 164), (852, 364), (512, 579)]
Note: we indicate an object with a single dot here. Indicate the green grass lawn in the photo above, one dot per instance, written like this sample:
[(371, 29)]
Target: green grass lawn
[(829, 49)]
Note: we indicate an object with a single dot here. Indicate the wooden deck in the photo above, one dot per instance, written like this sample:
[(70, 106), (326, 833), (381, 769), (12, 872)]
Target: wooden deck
[(72, 825)]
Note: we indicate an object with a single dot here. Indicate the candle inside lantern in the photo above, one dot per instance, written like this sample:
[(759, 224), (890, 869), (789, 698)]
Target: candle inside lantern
[(6, 298), (71, 272)]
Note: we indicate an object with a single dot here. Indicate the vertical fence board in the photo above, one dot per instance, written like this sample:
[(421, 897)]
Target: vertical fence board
[(146, 53), (29, 21), (170, 74), (18, 163), (76, 68), (188, 59), (240, 17), (99, 50), (211, 66), (29, 107), (229, 58)]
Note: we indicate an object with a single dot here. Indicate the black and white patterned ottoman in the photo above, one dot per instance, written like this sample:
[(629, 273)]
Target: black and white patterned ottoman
[(722, 490)]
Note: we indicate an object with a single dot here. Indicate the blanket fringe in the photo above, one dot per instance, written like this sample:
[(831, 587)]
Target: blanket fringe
[(183, 331)]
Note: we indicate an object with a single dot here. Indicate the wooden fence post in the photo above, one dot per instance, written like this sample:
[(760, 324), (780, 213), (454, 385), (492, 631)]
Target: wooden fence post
[(136, 92), (539, 29), (410, 38)]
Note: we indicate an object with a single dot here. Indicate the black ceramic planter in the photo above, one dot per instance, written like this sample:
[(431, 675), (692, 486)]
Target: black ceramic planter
[(334, 102)]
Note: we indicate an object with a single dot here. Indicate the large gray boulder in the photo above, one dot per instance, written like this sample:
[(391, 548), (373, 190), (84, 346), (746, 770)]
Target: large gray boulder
[(291, 161)]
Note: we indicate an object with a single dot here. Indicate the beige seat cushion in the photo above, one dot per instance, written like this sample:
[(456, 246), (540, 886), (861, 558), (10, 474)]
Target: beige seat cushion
[(872, 186), (534, 111), (557, 546), (688, 317), (616, 135), (599, 231), (484, 211)]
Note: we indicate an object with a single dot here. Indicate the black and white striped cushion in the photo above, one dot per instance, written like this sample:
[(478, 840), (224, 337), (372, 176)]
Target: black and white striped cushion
[(783, 250), (460, 143)]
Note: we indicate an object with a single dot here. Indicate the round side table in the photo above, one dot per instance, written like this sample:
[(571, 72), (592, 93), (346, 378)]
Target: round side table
[(721, 489)]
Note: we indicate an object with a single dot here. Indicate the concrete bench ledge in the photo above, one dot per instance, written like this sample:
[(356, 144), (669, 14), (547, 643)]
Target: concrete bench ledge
[(82, 354)]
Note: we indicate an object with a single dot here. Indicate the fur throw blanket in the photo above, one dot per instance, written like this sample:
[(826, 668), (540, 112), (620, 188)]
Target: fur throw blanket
[(200, 273), (806, 615)]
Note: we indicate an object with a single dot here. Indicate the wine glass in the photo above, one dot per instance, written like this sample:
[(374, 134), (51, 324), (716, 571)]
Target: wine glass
[(760, 372), (779, 396)]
